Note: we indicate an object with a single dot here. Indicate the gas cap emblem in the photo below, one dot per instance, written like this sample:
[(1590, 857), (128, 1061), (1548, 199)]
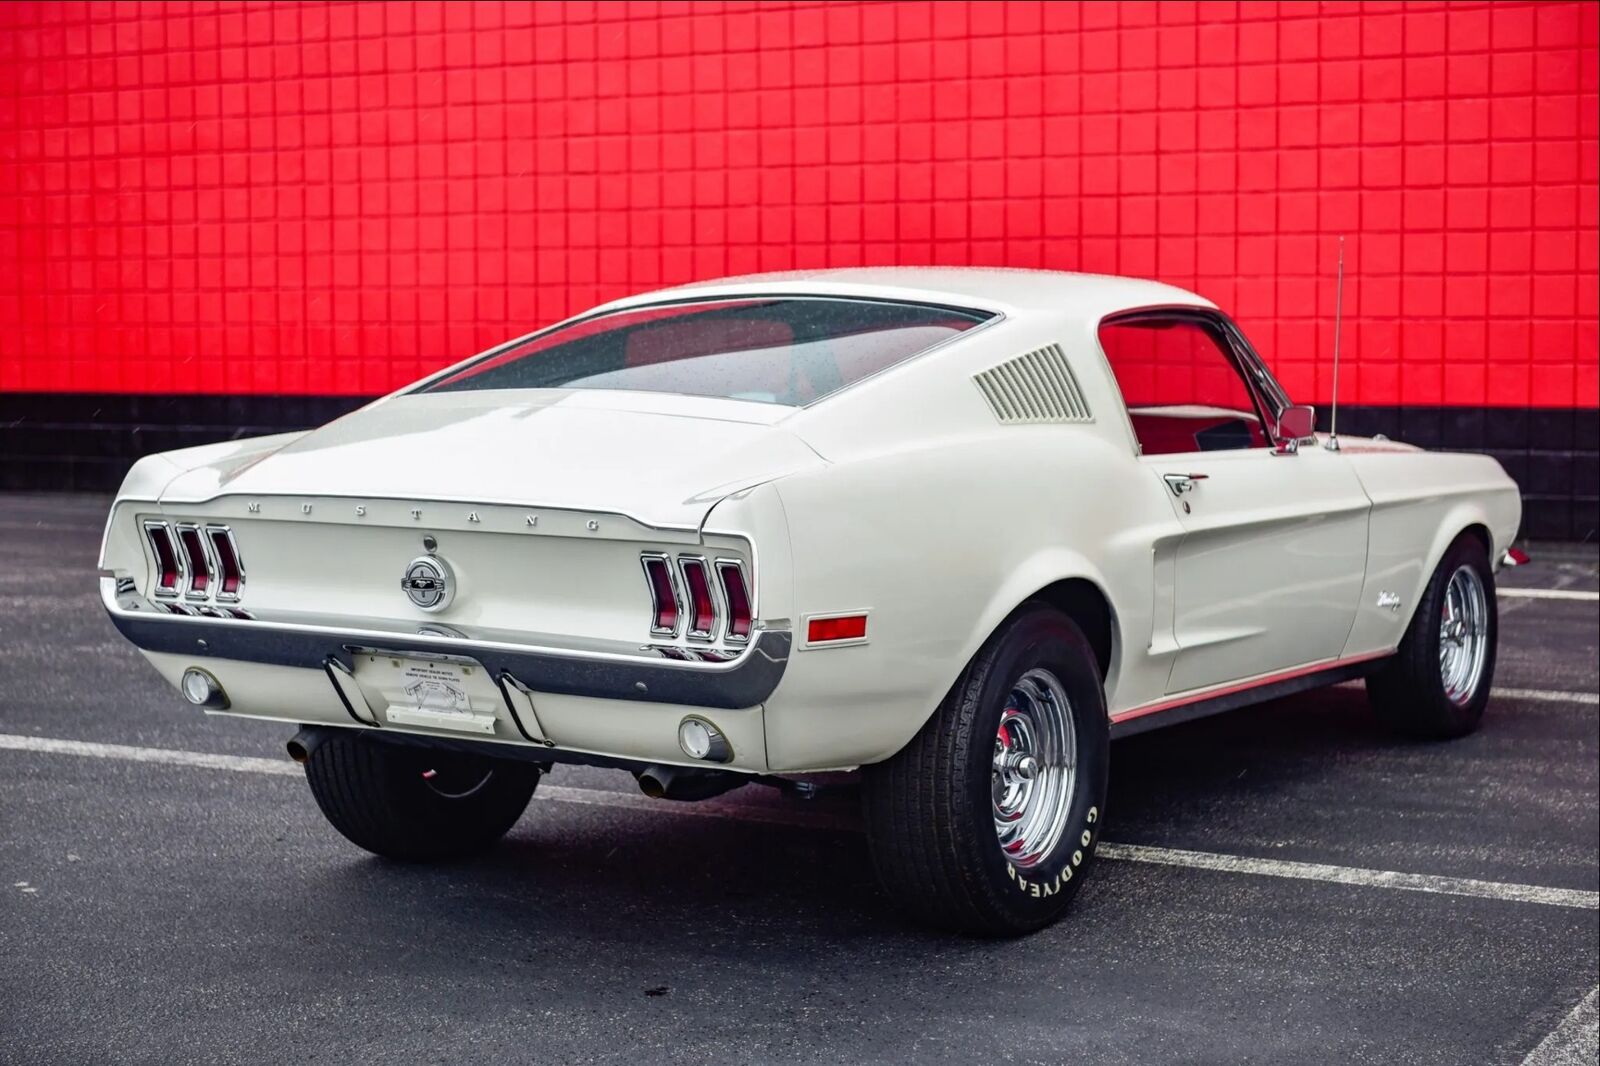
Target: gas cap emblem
[(428, 583)]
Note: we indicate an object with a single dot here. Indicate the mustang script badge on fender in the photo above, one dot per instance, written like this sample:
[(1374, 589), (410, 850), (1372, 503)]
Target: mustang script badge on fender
[(429, 583)]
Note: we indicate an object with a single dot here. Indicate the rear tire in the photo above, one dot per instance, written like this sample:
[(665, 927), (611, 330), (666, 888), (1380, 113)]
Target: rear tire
[(937, 810), (1437, 684), (412, 803)]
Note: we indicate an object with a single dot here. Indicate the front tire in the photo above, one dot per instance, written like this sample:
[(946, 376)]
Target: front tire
[(986, 822), (415, 804), (1437, 684)]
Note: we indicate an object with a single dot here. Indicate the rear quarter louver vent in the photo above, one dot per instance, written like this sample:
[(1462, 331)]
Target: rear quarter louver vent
[(1038, 386)]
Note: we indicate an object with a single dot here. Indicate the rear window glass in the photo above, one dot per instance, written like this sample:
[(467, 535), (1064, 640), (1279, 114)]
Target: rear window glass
[(773, 350)]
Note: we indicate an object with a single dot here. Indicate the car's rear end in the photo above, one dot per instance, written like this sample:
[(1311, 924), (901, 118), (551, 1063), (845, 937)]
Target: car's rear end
[(571, 625), (574, 544)]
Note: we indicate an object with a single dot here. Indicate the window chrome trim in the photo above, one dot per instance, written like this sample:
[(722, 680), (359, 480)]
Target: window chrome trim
[(1252, 371), (992, 316), (1257, 374)]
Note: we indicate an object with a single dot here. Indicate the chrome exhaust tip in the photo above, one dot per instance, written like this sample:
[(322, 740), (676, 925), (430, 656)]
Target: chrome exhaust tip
[(655, 780), (305, 742), (686, 783)]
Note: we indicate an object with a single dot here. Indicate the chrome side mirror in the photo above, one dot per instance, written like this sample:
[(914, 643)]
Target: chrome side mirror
[(1294, 425)]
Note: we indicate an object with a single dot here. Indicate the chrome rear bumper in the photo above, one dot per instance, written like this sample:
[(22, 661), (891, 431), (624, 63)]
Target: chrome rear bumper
[(604, 671)]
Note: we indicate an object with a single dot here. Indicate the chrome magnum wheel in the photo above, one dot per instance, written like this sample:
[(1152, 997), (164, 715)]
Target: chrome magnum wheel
[(1463, 635), (1035, 768), (1437, 684), (987, 821)]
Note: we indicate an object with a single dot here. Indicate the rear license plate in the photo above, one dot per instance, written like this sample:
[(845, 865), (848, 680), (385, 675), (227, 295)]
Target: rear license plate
[(436, 693)]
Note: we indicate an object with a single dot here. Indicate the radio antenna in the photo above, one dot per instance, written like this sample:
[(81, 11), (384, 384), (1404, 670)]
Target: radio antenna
[(1332, 443)]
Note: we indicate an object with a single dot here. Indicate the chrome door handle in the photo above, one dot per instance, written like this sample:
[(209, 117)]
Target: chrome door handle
[(1182, 483)]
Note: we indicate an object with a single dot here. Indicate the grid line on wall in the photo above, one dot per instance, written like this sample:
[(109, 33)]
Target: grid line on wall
[(336, 198)]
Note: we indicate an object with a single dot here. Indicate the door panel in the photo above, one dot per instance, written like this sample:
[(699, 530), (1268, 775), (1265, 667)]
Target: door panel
[(1270, 570)]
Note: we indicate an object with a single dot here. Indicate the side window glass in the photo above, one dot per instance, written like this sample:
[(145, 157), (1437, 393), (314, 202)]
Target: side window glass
[(1183, 389)]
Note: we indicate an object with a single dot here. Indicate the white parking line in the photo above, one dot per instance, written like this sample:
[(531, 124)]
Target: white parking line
[(167, 756), (1550, 594), (1572, 1043), (1547, 695), (1198, 860), (1354, 875)]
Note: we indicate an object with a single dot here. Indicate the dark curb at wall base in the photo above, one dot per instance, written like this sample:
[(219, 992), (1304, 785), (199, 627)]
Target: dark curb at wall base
[(86, 441)]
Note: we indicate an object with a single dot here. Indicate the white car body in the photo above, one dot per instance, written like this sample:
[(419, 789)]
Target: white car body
[(903, 497)]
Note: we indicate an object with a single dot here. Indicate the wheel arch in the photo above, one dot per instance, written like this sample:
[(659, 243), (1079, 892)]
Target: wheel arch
[(1479, 530), (1464, 520), (1086, 603), (1070, 583)]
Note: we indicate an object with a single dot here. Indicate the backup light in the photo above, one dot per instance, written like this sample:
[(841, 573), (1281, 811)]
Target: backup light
[(699, 739), (202, 690)]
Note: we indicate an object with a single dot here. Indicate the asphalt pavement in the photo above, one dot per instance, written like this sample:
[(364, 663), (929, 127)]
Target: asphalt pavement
[(1292, 885)]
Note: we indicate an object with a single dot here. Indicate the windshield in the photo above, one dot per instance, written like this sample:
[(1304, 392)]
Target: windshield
[(783, 350)]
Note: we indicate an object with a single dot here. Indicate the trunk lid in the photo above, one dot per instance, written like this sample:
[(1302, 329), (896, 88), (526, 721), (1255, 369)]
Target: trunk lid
[(663, 460)]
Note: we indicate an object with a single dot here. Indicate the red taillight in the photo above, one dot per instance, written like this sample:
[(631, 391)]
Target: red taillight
[(848, 627), (194, 550), (737, 596), (702, 608), (168, 571), (663, 596), (230, 576), (688, 599)]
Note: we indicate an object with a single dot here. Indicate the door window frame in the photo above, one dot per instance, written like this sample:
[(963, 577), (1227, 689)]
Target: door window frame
[(1268, 396)]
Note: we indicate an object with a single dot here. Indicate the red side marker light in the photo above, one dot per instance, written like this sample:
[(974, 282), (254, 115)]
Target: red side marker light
[(849, 627)]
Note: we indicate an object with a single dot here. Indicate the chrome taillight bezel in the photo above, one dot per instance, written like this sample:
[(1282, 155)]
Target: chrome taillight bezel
[(216, 534), (195, 580), (197, 586), (180, 570), (696, 581), (697, 564), (664, 561), (723, 568)]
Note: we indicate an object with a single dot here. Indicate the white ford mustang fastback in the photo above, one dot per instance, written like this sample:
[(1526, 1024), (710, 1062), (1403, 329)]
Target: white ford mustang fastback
[(956, 528)]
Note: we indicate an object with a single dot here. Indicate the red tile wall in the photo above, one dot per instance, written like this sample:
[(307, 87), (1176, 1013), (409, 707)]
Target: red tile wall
[(310, 198)]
